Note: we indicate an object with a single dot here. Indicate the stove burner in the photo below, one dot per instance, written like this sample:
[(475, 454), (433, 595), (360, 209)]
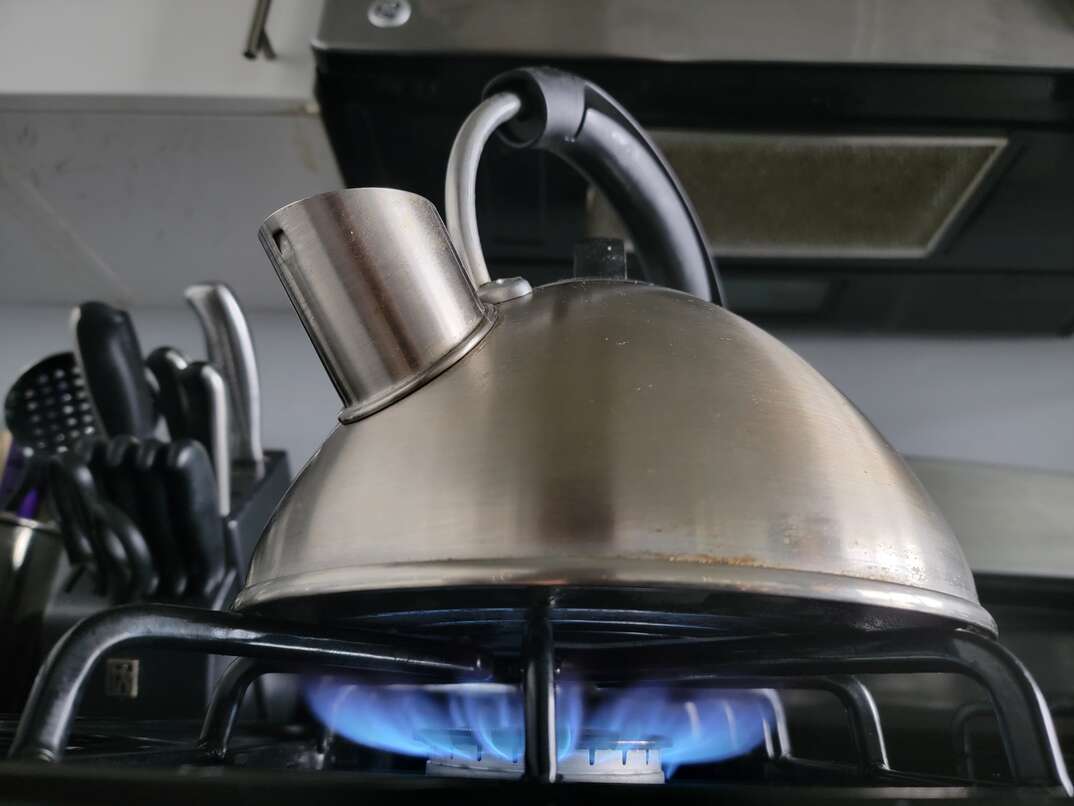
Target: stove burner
[(829, 661), (478, 727), (596, 758)]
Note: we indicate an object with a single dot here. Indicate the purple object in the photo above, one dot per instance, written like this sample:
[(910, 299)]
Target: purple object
[(27, 508), (14, 470)]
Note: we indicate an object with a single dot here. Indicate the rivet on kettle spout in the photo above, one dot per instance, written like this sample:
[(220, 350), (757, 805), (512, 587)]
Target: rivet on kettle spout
[(379, 288)]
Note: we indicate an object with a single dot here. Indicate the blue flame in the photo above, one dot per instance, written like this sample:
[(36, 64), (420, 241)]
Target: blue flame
[(469, 721), (464, 721), (697, 726)]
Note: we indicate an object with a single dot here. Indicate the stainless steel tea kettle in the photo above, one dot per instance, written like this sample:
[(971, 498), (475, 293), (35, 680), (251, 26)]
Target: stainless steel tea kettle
[(598, 434)]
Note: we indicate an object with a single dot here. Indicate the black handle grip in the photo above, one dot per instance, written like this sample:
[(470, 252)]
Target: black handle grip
[(108, 465), (583, 125), (111, 362), (166, 363), (195, 514), (156, 519), (197, 405)]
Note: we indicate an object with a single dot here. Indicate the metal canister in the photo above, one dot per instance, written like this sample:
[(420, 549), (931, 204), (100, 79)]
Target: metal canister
[(31, 567)]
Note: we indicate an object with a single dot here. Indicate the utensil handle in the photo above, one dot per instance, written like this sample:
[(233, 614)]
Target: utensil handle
[(583, 125), (188, 474), (205, 405), (156, 520), (230, 346), (166, 363), (111, 361)]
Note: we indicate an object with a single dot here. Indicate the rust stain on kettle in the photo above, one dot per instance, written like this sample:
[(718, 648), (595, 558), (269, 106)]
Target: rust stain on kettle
[(747, 560)]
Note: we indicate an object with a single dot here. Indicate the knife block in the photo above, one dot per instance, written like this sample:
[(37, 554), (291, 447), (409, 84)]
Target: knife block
[(151, 683)]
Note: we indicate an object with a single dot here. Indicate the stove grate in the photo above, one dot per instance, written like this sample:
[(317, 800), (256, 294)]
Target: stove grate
[(828, 663)]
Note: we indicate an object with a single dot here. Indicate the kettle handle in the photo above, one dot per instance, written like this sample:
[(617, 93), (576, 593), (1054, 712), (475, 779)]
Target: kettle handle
[(583, 125)]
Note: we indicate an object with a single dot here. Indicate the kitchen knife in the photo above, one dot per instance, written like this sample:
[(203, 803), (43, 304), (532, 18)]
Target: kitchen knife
[(110, 358), (205, 411), (189, 478), (166, 363), (230, 348), (155, 518), (118, 485)]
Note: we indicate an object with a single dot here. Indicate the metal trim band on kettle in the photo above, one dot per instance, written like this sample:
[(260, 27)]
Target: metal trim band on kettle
[(600, 433)]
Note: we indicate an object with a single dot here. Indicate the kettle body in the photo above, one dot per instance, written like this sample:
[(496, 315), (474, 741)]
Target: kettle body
[(618, 436)]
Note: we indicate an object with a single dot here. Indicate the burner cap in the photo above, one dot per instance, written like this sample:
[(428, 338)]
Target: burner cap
[(598, 757)]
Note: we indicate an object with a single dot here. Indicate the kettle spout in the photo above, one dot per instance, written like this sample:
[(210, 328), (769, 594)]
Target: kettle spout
[(379, 288)]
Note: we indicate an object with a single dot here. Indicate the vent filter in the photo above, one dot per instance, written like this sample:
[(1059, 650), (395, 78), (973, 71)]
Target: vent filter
[(805, 196)]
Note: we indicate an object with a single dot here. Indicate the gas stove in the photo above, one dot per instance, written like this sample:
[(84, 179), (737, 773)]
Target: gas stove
[(587, 705)]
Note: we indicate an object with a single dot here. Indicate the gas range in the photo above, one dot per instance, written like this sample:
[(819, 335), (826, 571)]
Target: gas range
[(586, 705)]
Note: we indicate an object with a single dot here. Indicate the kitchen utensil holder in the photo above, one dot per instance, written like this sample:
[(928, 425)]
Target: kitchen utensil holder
[(156, 683)]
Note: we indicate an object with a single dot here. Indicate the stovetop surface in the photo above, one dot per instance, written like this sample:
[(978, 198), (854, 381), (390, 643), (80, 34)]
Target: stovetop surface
[(159, 761), (78, 784)]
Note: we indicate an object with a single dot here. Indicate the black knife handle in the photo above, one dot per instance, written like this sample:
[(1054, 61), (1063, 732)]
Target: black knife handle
[(111, 361), (197, 405), (206, 410), (155, 518), (195, 514), (166, 363)]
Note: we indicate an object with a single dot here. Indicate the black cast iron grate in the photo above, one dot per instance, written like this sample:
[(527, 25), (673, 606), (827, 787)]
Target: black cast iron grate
[(818, 662)]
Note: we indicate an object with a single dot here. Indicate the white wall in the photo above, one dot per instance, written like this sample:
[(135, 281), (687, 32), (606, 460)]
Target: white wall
[(1001, 400), (131, 207), (153, 54)]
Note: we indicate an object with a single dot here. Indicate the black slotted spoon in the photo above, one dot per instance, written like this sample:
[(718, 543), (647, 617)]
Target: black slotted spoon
[(47, 409)]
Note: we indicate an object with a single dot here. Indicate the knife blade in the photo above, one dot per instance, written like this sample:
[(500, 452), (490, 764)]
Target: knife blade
[(206, 413), (230, 348), (110, 359), (188, 474), (165, 363)]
